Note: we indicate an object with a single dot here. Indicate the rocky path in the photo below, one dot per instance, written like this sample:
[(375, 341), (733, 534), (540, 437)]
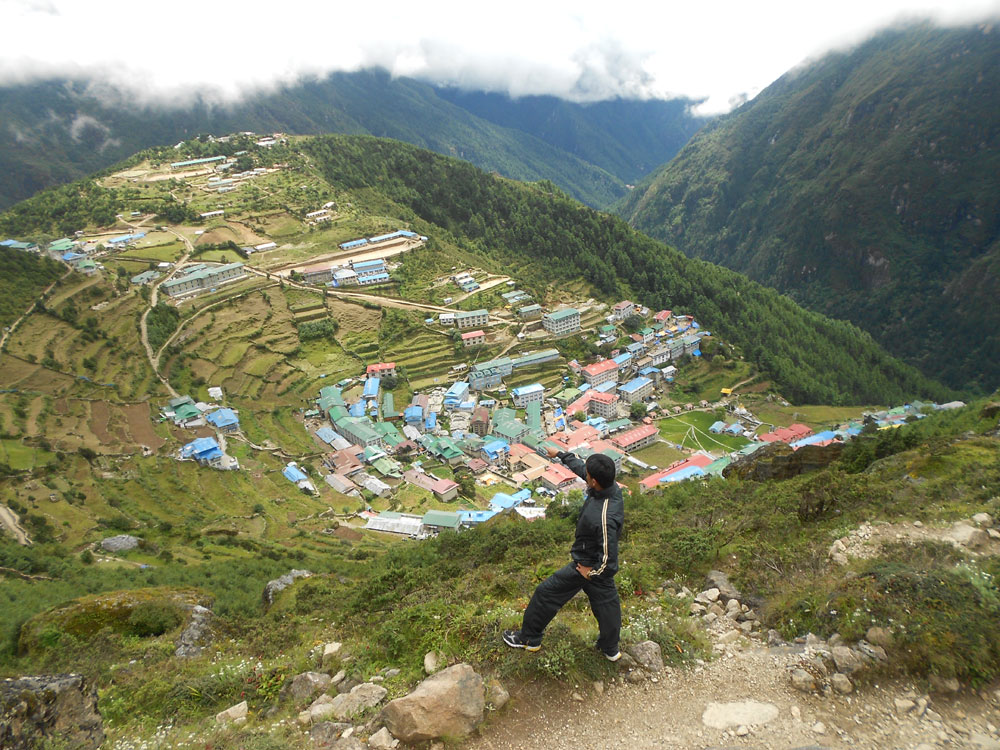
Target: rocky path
[(741, 700)]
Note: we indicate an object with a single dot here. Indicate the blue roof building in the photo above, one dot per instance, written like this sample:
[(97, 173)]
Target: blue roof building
[(735, 429), (294, 474), (472, 517), (431, 422), (225, 419), (495, 450), (717, 427), (353, 244), (126, 238), (203, 450), (685, 473), (457, 393), (622, 359), (502, 501), (371, 388), (413, 415), (327, 435), (357, 409), (606, 387)]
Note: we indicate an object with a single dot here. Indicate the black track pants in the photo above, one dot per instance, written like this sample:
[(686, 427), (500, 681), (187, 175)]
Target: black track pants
[(559, 588)]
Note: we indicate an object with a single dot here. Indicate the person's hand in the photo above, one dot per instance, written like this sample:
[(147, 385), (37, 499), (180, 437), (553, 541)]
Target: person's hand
[(584, 570), (553, 452)]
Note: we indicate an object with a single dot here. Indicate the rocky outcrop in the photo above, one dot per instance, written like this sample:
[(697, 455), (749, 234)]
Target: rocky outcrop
[(120, 543), (779, 461), (344, 706), (274, 587), (450, 703), (59, 708), (197, 633)]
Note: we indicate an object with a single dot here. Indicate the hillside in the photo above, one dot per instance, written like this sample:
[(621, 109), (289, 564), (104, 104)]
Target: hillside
[(541, 232), (112, 386), (863, 185), (59, 131)]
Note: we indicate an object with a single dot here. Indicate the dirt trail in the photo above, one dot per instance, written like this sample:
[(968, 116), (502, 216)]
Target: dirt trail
[(669, 714)]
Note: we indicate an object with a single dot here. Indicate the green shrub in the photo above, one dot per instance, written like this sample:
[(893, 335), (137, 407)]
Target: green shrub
[(153, 618)]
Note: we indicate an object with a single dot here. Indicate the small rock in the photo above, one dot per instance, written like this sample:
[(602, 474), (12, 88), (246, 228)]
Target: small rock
[(835, 640), (746, 626), (328, 733), (577, 697), (697, 609), (496, 695), (599, 687), (331, 652), (904, 705), (840, 559), (802, 680), (636, 675), (382, 740), (796, 713), (931, 715), (945, 684), (918, 525), (231, 714), (339, 677), (710, 618), (304, 686), (729, 636), (879, 636), (716, 579), (921, 706), (742, 731), (875, 652), (819, 728), (709, 596), (993, 533), (842, 684), (814, 641), (390, 673), (982, 519), (774, 638), (432, 662)]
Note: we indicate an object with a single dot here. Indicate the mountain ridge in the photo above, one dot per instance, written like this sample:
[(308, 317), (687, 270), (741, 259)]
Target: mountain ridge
[(57, 131), (863, 185)]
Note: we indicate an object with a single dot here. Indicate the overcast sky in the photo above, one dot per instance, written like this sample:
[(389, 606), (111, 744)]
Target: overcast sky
[(715, 51)]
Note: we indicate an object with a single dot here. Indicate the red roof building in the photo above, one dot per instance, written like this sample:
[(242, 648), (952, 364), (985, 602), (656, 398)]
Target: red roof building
[(637, 438), (381, 369), (786, 434), (601, 372)]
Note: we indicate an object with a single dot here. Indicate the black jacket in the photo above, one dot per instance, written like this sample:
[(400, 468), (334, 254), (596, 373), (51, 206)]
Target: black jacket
[(600, 524)]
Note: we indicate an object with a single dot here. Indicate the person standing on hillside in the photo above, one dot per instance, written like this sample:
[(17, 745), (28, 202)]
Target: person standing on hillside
[(595, 562)]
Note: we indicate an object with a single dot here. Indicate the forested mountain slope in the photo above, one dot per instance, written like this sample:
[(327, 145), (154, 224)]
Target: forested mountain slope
[(864, 185), (643, 134), (58, 131), (544, 232)]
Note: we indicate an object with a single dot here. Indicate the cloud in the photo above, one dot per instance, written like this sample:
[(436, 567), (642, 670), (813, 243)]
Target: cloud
[(173, 54)]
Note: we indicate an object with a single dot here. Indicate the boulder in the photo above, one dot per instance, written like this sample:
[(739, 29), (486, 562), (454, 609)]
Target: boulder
[(802, 680), (846, 660), (120, 543), (450, 703), (232, 714), (306, 685), (361, 698), (983, 519), (63, 708), (647, 655), (328, 735), (279, 584), (841, 683), (965, 535), (716, 579)]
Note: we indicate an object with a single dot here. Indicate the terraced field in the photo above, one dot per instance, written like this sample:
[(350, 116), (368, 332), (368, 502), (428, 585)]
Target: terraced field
[(427, 358)]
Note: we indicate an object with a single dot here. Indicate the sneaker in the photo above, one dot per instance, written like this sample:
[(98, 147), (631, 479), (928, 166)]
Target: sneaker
[(614, 656), (513, 639)]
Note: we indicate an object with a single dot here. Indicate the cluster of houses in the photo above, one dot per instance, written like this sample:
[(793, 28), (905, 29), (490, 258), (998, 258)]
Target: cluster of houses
[(187, 413), (200, 277)]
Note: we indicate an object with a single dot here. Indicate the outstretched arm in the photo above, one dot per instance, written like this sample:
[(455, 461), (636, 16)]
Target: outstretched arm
[(570, 460)]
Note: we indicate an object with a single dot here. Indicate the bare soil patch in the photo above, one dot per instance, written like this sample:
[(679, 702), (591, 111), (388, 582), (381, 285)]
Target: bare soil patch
[(100, 415), (140, 425)]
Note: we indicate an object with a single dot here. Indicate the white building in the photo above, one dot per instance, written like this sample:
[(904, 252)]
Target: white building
[(562, 322)]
